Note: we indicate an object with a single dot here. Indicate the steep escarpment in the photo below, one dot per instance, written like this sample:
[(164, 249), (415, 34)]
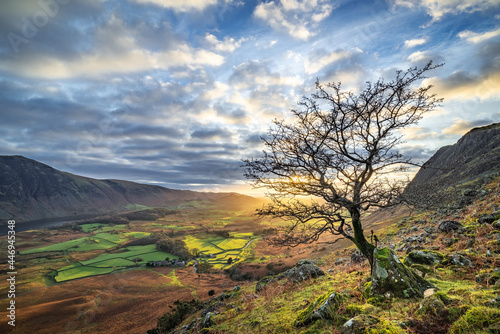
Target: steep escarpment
[(30, 190), (476, 154)]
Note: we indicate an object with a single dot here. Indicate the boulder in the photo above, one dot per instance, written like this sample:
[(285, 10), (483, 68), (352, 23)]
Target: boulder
[(487, 219), (457, 259), (303, 270), (432, 305), (391, 278), (359, 324), (325, 307), (426, 257), (450, 225)]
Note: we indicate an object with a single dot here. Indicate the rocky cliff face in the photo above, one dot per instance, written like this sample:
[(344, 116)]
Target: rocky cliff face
[(475, 155), (30, 190)]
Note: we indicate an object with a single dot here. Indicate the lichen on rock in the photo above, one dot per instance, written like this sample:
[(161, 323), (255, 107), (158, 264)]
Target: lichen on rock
[(325, 307), (391, 278)]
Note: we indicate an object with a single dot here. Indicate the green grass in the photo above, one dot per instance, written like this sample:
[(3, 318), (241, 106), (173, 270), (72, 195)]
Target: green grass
[(80, 272), (137, 235), (108, 262), (90, 227), (80, 244), (113, 237)]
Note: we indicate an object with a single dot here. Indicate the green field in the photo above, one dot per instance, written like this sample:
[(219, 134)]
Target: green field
[(239, 247), (109, 262), (81, 245)]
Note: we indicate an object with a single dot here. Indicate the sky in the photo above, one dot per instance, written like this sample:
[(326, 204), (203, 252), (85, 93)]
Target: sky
[(177, 93)]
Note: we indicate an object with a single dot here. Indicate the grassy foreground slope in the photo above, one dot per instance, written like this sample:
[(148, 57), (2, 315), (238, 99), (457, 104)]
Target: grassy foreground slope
[(466, 275)]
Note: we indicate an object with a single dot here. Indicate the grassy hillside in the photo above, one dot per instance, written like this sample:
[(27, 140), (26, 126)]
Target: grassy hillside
[(466, 275)]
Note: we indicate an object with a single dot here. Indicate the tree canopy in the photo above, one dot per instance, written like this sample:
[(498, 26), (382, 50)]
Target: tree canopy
[(340, 151)]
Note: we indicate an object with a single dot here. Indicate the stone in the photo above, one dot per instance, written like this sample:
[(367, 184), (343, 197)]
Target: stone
[(426, 257), (357, 257), (391, 278), (487, 219), (359, 324), (303, 270), (457, 259), (325, 307), (450, 225), (341, 261), (432, 305), (207, 321)]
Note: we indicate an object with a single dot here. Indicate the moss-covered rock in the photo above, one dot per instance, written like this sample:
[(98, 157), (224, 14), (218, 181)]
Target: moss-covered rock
[(359, 324), (488, 277), (325, 307), (477, 320), (432, 305), (391, 278), (425, 257), (457, 259), (303, 270)]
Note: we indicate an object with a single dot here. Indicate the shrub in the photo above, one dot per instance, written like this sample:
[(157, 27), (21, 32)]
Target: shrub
[(171, 320)]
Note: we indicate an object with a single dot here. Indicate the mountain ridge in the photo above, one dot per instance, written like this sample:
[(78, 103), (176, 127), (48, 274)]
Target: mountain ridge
[(30, 190), (474, 154)]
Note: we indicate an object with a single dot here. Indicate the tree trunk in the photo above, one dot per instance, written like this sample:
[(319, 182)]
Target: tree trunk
[(363, 245), (390, 277)]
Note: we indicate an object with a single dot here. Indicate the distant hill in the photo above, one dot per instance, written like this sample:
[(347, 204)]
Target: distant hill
[(475, 155), (30, 190)]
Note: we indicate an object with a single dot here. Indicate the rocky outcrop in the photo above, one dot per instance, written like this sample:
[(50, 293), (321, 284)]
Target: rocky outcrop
[(304, 269), (359, 324), (325, 307), (476, 153), (426, 257), (450, 226)]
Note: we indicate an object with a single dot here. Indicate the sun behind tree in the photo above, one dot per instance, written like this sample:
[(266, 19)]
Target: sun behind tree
[(341, 153)]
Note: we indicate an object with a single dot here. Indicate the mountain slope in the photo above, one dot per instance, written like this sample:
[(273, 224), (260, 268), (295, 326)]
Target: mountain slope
[(476, 154), (30, 190)]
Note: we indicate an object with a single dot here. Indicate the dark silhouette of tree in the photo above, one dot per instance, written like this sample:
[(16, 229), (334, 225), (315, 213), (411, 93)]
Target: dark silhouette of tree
[(340, 152)]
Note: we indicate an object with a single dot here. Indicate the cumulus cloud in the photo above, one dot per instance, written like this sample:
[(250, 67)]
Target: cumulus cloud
[(297, 18), (475, 38), (411, 43), (461, 126), (228, 44)]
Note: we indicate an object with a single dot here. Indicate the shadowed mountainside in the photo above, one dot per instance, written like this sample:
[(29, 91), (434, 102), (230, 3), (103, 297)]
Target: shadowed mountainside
[(475, 154), (30, 190)]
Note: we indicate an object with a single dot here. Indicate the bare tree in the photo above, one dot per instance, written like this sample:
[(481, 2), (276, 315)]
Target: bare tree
[(340, 153)]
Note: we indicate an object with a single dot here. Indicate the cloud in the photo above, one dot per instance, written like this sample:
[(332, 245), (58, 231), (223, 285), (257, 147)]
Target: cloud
[(229, 44), (461, 126), (299, 19), (418, 133), (411, 43), (180, 6), (439, 8), (317, 62), (251, 73), (464, 85), (116, 51), (476, 38)]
